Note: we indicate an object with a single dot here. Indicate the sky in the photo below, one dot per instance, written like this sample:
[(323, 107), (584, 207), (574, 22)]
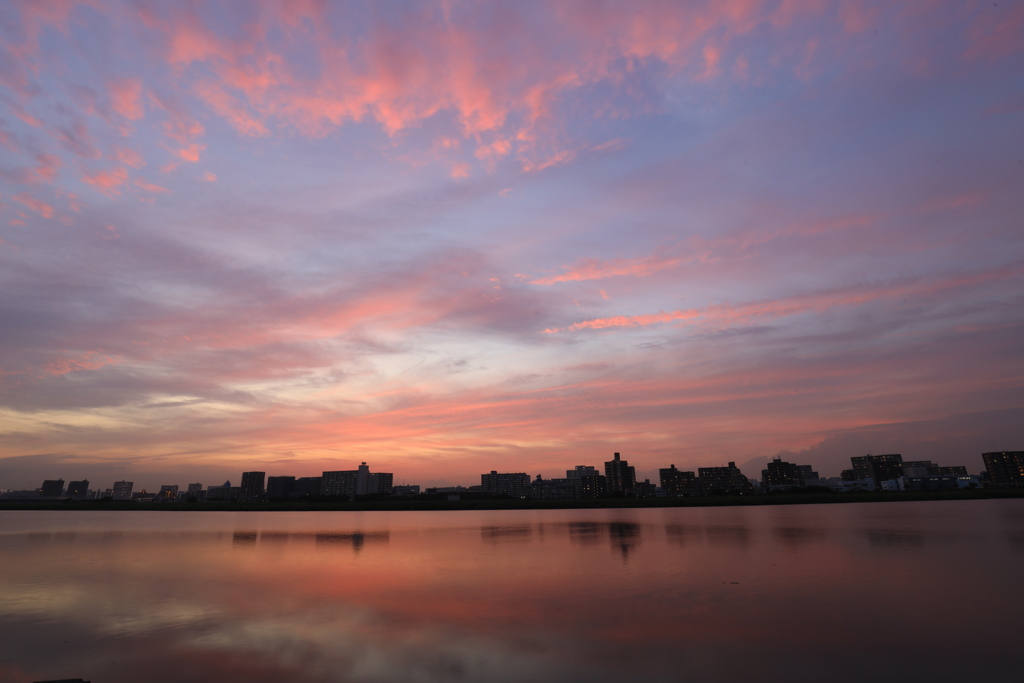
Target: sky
[(446, 238)]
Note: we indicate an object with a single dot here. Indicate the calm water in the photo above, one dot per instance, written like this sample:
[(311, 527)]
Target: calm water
[(900, 591)]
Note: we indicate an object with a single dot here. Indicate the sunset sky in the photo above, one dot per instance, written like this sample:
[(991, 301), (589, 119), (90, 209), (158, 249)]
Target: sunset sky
[(446, 238)]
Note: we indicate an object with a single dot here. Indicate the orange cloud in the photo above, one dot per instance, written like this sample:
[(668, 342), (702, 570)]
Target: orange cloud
[(107, 182)]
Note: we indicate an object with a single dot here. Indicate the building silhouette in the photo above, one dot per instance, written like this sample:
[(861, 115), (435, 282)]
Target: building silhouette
[(122, 490), (727, 479), (252, 486), (52, 488), (553, 489), (380, 482), (358, 482), (78, 489), (224, 493), (167, 492), (781, 475), (514, 484), (878, 468), (280, 487), (677, 482), (621, 477), (587, 482), (306, 486), (1005, 468)]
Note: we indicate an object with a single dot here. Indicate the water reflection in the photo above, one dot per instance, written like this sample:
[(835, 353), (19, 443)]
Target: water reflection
[(706, 595), (245, 537), (512, 532), (355, 539), (799, 537), (722, 535), (895, 540)]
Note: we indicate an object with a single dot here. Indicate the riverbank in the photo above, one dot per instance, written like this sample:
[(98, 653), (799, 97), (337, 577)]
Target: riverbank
[(422, 504)]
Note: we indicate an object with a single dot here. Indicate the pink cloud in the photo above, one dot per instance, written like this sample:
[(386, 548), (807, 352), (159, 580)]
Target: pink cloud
[(77, 140), (724, 315), (107, 182), (89, 360), (231, 109), (412, 69), (149, 187), (182, 128), (592, 269), (997, 32), (40, 207), (128, 156), (209, 177), (126, 97)]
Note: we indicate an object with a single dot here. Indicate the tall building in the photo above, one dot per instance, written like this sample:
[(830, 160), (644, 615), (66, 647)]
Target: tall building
[(877, 467), (305, 487), (581, 471), (587, 482), (514, 484), (252, 486), (380, 482), (723, 480), (168, 492), (620, 476), (78, 489), (52, 488), (678, 482), (196, 491), (123, 490), (808, 477), (781, 475), (1005, 468), (279, 487)]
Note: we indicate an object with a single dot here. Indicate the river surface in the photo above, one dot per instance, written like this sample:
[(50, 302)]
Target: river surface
[(917, 591)]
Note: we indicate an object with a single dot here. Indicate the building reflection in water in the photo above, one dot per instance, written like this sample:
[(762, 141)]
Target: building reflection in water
[(510, 597), (506, 533), (324, 539)]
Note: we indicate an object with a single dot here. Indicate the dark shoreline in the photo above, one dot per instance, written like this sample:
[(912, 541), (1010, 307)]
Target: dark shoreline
[(522, 504)]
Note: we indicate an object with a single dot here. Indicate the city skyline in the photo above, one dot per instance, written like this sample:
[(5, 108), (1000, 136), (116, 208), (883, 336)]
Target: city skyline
[(618, 478), (451, 238)]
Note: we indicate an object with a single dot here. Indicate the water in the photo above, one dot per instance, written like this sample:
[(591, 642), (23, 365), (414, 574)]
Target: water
[(924, 591)]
